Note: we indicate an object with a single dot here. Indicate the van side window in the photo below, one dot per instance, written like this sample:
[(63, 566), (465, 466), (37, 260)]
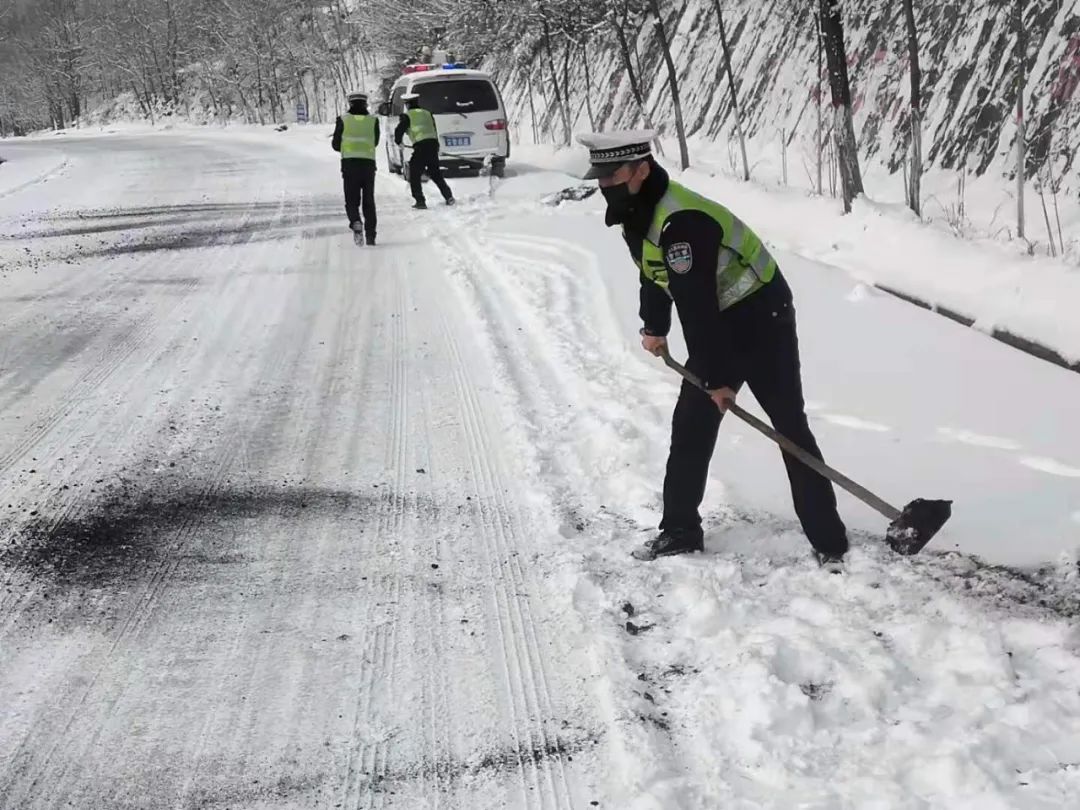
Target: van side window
[(396, 105)]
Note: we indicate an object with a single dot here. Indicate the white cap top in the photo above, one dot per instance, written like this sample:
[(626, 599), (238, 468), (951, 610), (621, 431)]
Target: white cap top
[(619, 139), (610, 150)]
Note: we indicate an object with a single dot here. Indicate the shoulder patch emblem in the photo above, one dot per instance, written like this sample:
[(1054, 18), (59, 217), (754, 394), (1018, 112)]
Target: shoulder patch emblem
[(679, 257)]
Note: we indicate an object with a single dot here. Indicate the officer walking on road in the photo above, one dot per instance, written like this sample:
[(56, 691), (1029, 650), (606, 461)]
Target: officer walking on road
[(738, 319), (356, 137), (419, 125)]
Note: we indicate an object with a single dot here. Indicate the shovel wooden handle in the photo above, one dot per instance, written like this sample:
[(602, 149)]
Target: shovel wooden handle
[(788, 446)]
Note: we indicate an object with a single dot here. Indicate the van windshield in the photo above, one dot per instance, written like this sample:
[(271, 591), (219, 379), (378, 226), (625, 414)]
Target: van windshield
[(457, 96)]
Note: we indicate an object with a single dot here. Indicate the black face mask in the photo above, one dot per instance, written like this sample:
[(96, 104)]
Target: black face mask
[(620, 203)]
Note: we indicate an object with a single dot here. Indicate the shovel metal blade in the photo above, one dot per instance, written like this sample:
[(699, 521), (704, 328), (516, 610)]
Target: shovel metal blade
[(917, 525)]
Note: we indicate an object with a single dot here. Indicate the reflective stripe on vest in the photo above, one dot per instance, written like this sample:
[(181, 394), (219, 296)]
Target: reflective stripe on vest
[(358, 136), (744, 265), (421, 126)]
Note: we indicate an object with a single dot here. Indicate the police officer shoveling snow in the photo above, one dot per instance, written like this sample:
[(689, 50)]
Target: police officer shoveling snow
[(419, 125), (738, 319)]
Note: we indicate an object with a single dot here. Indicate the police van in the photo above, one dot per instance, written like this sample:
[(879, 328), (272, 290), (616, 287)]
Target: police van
[(468, 110)]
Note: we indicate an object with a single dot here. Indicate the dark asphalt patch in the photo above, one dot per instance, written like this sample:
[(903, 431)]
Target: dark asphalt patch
[(125, 532), (452, 772)]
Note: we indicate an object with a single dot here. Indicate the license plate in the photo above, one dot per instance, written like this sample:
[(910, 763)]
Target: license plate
[(458, 140)]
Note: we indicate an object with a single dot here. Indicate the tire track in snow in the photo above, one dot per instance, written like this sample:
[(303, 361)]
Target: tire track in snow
[(560, 296), (282, 410), (114, 355), (435, 710), (85, 388), (391, 526), (370, 766), (131, 625), (540, 753), (585, 375), (140, 610), (286, 359)]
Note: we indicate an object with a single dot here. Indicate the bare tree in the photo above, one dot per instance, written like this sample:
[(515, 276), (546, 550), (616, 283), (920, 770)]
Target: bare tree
[(734, 90), (618, 26), (673, 83), (843, 126), (588, 84), (819, 132), (561, 98), (1021, 133), (914, 190)]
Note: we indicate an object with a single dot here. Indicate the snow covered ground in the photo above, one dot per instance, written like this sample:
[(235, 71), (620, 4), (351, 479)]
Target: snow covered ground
[(290, 523), (27, 165)]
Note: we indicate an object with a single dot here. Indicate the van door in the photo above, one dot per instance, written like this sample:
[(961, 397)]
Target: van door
[(469, 115)]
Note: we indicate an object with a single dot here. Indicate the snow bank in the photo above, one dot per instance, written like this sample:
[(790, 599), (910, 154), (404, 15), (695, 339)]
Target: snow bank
[(748, 679)]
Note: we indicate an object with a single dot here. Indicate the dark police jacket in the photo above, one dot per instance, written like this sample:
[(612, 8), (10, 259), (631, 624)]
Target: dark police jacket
[(720, 343)]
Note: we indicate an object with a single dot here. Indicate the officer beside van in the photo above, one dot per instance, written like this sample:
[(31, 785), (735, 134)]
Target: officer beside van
[(419, 125), (738, 319), (356, 137)]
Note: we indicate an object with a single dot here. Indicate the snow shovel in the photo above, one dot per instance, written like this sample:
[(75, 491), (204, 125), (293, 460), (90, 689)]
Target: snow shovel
[(910, 529)]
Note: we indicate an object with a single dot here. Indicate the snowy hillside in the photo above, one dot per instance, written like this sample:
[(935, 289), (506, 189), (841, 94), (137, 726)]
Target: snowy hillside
[(968, 83)]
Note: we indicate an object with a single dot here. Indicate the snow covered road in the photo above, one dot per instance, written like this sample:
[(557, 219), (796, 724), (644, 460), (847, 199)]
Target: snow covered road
[(289, 523)]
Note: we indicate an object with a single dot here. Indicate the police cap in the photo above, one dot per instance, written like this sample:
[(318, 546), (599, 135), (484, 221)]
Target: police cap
[(610, 150)]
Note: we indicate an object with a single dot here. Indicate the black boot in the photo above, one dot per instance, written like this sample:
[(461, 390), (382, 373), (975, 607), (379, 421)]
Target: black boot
[(833, 563), (671, 542)]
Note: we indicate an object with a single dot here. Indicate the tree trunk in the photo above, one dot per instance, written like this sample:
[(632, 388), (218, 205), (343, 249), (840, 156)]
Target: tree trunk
[(567, 53), (1021, 135), (820, 145), (635, 85), (914, 191), (555, 106), (560, 95), (532, 110), (588, 85), (734, 92), (631, 74), (843, 126), (673, 81)]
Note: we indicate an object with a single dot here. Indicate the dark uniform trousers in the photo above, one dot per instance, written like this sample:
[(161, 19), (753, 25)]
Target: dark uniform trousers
[(769, 351), (359, 178), (425, 160)]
